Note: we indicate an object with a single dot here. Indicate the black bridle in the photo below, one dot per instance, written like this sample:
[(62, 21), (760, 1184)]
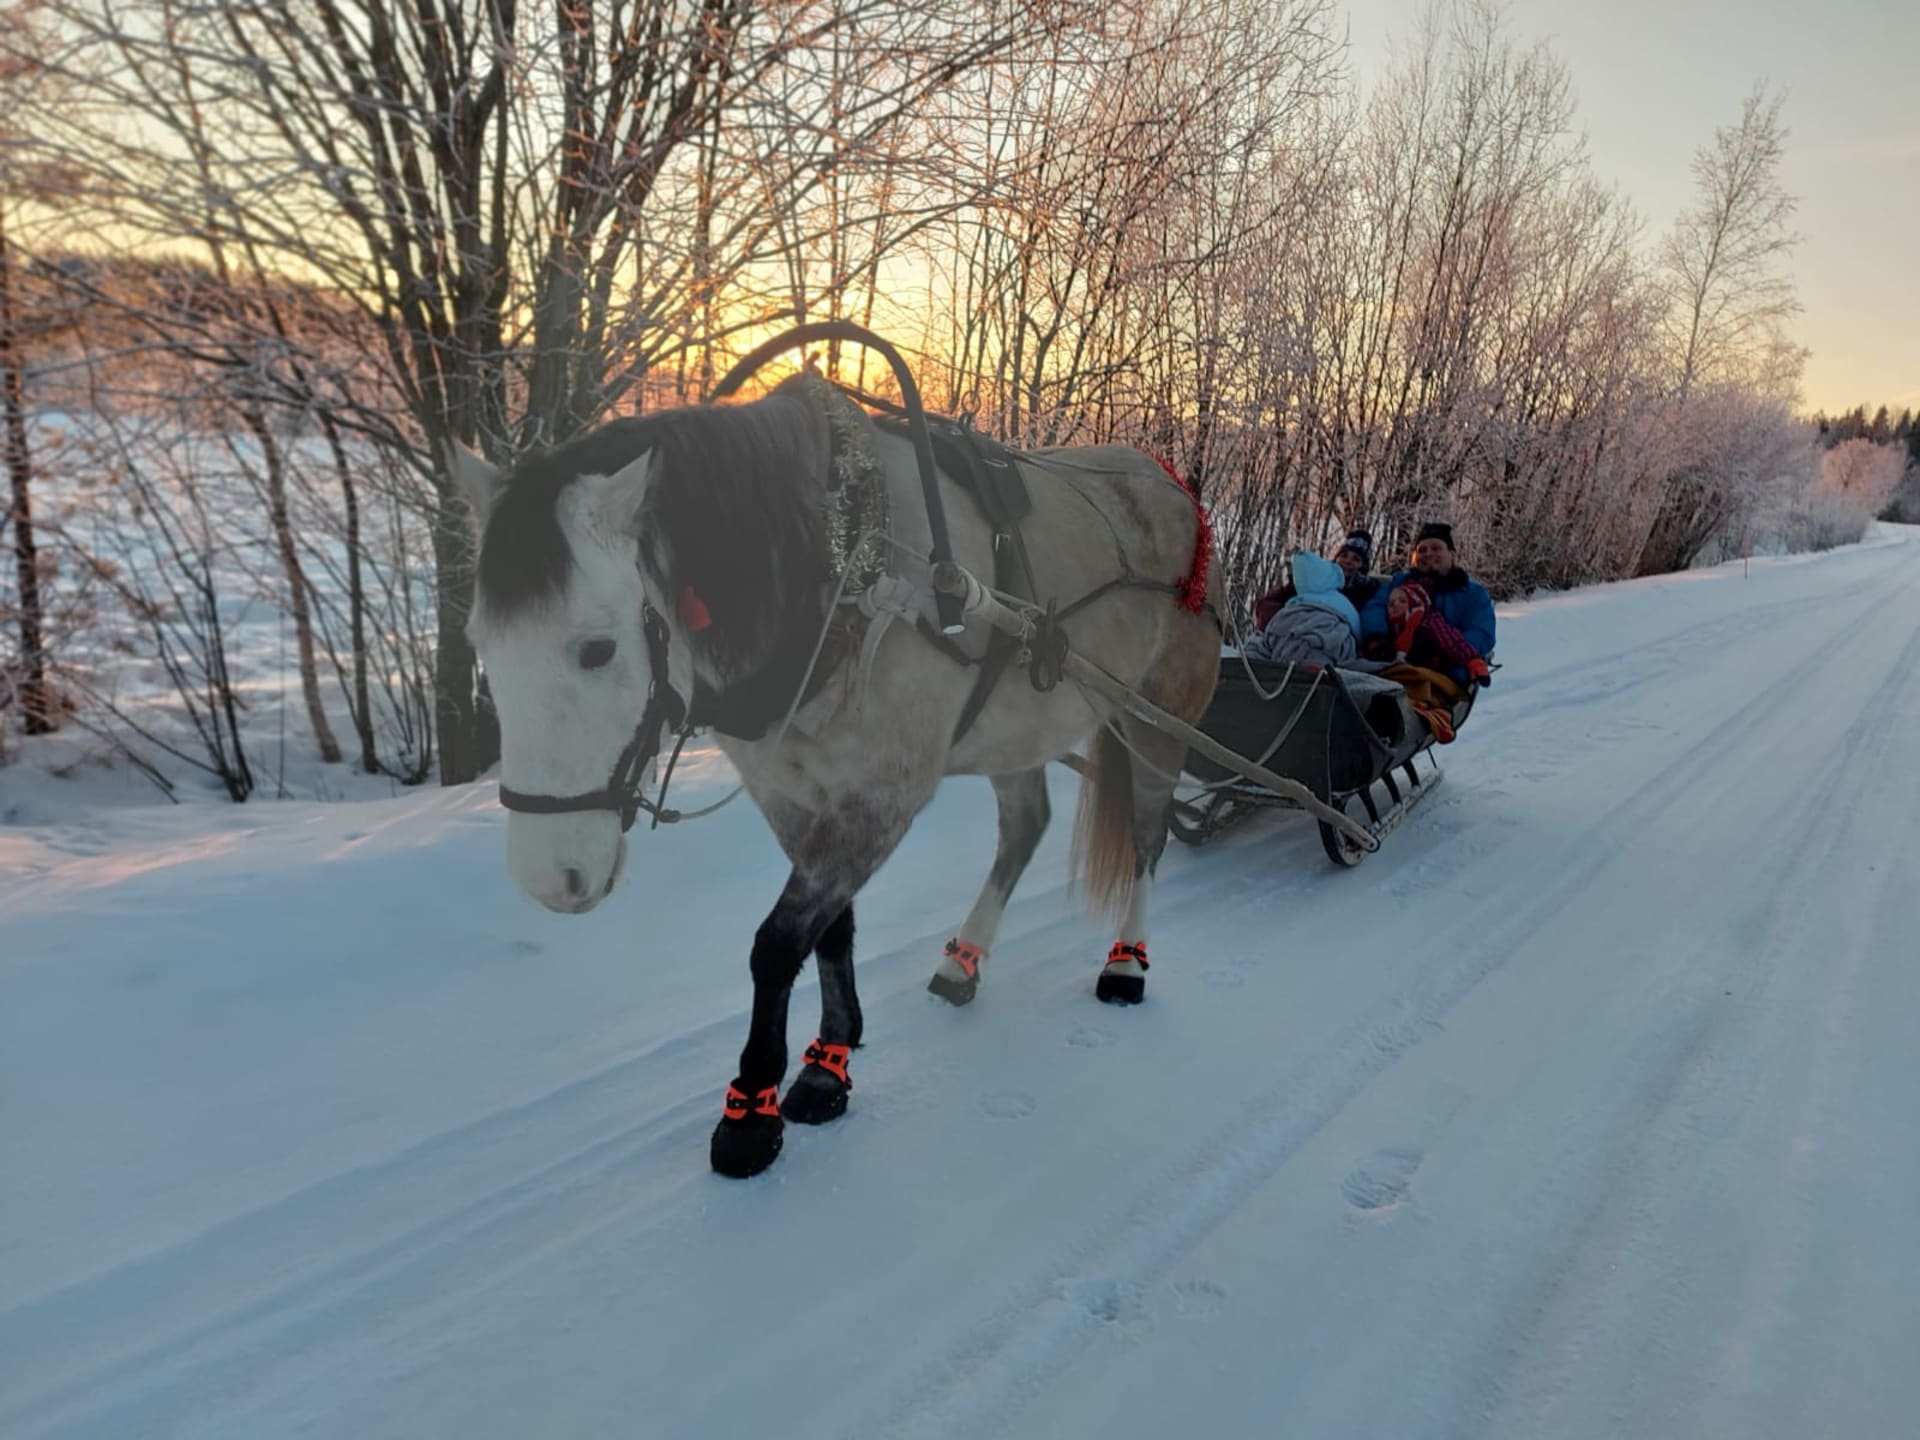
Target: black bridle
[(625, 791)]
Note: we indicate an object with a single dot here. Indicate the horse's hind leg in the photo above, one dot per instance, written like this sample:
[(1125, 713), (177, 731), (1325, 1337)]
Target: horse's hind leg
[(819, 1092), (1182, 683), (1155, 759), (1024, 813)]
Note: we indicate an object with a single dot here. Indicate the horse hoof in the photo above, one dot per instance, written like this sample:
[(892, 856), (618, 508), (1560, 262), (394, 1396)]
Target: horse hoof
[(954, 992), (1124, 981), (815, 1097), (957, 976), (745, 1147)]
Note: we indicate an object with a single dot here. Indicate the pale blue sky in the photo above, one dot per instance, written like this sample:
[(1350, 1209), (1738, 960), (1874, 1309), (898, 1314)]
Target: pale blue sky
[(1654, 77)]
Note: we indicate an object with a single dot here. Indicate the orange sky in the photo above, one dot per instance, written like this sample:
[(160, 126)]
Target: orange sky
[(1654, 77)]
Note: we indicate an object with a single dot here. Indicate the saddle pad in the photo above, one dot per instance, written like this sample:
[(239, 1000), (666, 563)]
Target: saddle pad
[(981, 465)]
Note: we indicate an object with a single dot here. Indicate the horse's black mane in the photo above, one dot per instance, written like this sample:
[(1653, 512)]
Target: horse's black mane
[(733, 514)]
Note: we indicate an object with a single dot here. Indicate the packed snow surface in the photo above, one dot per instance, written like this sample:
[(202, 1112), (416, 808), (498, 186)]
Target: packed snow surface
[(1586, 1108)]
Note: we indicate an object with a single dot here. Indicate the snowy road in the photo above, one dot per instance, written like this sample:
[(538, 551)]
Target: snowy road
[(1587, 1108)]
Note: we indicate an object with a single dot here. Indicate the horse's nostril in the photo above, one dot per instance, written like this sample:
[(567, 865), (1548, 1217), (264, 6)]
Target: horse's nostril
[(576, 883)]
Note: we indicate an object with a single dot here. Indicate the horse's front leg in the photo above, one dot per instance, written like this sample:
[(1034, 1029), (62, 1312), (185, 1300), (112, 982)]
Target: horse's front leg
[(819, 1092), (834, 853), (1024, 813), (747, 1140)]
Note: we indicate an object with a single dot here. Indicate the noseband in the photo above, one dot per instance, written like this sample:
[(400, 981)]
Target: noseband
[(625, 791)]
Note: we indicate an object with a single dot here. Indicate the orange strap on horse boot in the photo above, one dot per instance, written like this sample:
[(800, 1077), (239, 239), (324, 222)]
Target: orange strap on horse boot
[(832, 1059), (1123, 951), (967, 957), (765, 1103)]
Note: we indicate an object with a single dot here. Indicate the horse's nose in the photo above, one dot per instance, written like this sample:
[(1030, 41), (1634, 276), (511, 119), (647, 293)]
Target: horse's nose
[(576, 883)]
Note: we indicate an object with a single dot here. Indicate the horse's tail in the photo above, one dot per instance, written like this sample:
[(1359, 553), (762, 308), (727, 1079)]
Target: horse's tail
[(1103, 851)]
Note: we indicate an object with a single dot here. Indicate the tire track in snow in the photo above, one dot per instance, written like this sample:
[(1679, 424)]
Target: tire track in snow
[(1465, 1313), (145, 1378), (1676, 647), (1685, 1081), (983, 1382)]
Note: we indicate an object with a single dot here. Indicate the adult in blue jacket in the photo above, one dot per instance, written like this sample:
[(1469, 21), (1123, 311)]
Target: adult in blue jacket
[(1455, 594)]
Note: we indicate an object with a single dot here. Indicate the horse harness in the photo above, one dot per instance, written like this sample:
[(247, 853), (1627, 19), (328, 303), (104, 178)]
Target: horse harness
[(990, 474)]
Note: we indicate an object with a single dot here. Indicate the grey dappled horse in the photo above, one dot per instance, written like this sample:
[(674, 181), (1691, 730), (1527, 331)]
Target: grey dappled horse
[(698, 556)]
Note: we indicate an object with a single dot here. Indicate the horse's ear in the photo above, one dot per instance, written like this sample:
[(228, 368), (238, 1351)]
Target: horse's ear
[(478, 477), (623, 494)]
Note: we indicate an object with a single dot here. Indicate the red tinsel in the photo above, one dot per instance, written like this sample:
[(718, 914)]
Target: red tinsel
[(1193, 589)]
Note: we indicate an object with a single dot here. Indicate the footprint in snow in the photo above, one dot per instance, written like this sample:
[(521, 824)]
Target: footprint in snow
[(1091, 1037), (1198, 1299), (1007, 1104), (1380, 1181), (1109, 1302)]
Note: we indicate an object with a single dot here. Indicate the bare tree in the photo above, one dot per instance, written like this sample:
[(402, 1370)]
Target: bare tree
[(161, 545), (20, 73), (1864, 472), (1724, 262), (32, 692), (1728, 296)]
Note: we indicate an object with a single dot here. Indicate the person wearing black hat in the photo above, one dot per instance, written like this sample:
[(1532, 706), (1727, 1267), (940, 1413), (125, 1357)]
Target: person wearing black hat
[(1354, 557), (1454, 636), (1455, 596)]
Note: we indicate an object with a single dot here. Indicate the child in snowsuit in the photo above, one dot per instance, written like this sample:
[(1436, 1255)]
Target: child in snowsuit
[(1354, 556), (1318, 626)]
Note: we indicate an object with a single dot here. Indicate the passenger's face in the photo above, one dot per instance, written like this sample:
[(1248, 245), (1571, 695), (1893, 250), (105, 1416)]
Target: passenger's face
[(1348, 562), (1433, 557)]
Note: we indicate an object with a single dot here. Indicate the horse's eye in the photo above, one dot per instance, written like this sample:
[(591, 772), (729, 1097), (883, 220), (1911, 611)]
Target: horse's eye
[(595, 653)]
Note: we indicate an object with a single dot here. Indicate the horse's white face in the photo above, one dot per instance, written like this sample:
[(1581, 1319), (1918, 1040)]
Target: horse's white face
[(569, 678)]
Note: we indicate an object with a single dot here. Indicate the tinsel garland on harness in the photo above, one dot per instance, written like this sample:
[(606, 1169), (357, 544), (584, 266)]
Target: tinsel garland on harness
[(856, 511), (1192, 591)]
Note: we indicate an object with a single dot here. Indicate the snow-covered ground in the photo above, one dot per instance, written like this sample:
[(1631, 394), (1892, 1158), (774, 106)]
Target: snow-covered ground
[(1586, 1108)]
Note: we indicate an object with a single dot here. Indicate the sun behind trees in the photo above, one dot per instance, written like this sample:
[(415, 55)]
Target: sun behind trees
[(1154, 222)]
